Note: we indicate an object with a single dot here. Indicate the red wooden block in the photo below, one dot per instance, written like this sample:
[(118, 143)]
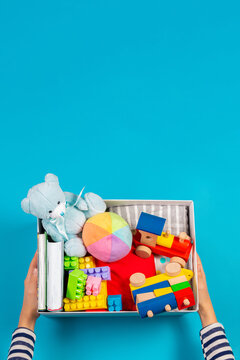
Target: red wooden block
[(178, 245), (184, 295)]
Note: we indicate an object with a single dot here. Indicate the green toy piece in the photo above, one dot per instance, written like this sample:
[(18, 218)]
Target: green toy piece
[(180, 286), (70, 262), (76, 284)]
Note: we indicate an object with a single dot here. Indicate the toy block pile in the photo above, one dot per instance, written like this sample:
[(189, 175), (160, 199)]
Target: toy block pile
[(86, 287), (88, 302), (168, 290), (150, 238), (164, 292)]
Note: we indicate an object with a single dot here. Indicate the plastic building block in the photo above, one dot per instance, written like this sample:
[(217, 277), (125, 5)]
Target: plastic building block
[(157, 305), (149, 288), (86, 262), (88, 302), (143, 251), (165, 240), (184, 298), (114, 302), (151, 223), (70, 262), (180, 261), (180, 286), (173, 269), (177, 280), (145, 296), (103, 272), (93, 285), (148, 238), (163, 291), (76, 284)]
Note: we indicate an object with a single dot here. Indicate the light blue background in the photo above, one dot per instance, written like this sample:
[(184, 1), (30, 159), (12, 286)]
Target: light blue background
[(134, 100)]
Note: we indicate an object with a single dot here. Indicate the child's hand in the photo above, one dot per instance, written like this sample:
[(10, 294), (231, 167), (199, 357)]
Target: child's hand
[(206, 311), (29, 312)]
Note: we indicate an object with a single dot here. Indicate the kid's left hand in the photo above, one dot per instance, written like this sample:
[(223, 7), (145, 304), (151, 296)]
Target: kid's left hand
[(29, 312)]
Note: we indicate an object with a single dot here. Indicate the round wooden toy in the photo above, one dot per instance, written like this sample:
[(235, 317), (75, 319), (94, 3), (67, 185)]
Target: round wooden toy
[(168, 307), (167, 233), (150, 313), (137, 279), (143, 251), (173, 269), (183, 236), (180, 261), (186, 302)]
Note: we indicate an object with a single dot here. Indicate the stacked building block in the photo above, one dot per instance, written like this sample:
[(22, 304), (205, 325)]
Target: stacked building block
[(76, 284), (93, 285), (88, 302)]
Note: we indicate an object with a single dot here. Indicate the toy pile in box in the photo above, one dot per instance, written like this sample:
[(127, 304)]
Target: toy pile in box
[(106, 266)]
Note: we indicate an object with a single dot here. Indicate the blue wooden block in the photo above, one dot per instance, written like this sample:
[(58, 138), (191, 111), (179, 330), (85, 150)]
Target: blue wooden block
[(150, 288), (151, 223), (157, 305)]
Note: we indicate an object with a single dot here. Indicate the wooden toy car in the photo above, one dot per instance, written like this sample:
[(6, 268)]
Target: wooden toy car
[(149, 238)]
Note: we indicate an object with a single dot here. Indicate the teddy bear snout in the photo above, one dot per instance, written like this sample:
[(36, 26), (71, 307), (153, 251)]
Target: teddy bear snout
[(58, 211)]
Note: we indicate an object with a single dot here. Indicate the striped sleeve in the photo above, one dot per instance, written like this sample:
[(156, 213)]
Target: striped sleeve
[(215, 344), (22, 345)]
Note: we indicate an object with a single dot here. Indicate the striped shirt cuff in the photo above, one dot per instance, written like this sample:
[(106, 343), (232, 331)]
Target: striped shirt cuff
[(215, 344), (22, 345)]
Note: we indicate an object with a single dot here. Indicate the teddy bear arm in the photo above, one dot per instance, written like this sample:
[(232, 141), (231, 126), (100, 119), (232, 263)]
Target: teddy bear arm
[(52, 231)]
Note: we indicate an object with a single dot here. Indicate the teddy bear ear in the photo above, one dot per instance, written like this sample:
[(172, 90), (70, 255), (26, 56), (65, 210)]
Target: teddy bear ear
[(51, 178), (25, 204)]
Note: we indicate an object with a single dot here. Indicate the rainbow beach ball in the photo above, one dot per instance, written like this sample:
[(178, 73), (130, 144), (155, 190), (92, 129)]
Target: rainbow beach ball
[(107, 237)]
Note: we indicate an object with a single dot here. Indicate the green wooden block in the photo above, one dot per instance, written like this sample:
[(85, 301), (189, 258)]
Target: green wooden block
[(180, 286), (70, 262), (76, 284)]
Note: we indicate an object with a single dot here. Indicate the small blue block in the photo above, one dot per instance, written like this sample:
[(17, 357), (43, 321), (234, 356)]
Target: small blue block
[(114, 302), (151, 223)]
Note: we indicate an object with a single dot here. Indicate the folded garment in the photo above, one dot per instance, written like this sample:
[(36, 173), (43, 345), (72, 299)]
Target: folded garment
[(176, 215)]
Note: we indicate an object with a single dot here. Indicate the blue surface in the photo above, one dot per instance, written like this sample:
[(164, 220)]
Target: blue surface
[(157, 305), (151, 223), (150, 288), (133, 100)]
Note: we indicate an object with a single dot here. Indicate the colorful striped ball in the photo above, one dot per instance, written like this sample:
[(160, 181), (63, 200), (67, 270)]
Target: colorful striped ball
[(107, 237)]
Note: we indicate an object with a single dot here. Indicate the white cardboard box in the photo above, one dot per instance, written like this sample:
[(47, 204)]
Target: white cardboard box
[(192, 263)]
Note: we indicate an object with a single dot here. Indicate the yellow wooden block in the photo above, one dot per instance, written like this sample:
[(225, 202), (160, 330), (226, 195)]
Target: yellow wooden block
[(162, 277), (90, 302), (164, 291), (165, 241)]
